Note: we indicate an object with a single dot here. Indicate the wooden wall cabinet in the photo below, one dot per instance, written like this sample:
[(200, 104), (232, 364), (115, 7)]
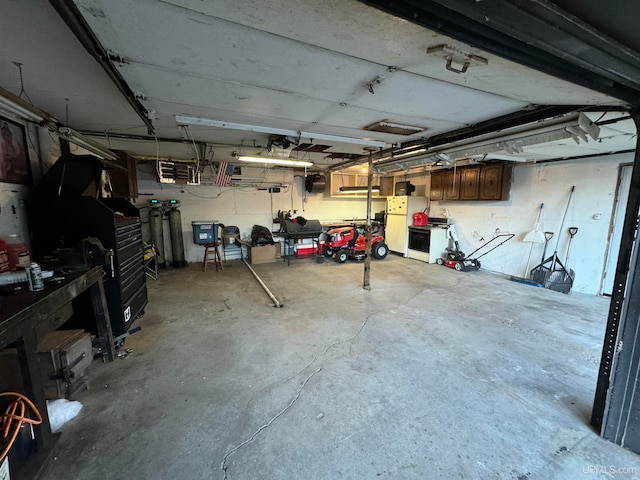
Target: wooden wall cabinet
[(386, 186), (340, 179), (437, 185), (470, 183), (124, 182), (452, 184), (478, 182), (495, 181)]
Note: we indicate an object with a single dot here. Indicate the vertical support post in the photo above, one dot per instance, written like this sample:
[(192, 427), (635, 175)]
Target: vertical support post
[(366, 284), (613, 406)]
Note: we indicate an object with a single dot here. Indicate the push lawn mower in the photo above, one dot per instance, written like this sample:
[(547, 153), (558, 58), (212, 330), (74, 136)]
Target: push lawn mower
[(349, 242), (457, 259)]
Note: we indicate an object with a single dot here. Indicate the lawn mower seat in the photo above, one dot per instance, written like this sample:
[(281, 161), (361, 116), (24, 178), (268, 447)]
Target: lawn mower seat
[(351, 243)]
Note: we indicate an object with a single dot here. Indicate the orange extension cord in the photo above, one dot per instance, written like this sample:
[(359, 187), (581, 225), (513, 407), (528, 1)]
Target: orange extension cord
[(13, 418)]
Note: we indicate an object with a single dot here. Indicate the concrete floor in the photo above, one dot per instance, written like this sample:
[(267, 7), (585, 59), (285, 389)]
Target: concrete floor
[(433, 374)]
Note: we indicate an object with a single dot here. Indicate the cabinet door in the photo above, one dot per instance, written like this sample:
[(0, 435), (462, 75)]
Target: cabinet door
[(452, 185), (124, 183), (491, 182), (437, 186), (386, 186), (470, 183)]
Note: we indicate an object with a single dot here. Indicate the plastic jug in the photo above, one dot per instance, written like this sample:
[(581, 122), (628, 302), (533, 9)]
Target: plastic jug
[(420, 219)]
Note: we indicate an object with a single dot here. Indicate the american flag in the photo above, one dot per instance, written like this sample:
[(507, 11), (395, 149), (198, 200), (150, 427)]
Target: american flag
[(225, 170)]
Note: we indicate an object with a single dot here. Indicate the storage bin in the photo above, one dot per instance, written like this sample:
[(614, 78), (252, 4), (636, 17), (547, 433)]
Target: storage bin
[(205, 232)]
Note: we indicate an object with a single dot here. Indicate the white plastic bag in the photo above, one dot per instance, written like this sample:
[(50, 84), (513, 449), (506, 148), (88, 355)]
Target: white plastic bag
[(61, 411)]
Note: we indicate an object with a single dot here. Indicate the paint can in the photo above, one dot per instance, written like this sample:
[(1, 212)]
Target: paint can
[(34, 277)]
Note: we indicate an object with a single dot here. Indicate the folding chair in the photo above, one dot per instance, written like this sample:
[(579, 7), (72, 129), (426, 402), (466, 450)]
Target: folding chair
[(230, 237)]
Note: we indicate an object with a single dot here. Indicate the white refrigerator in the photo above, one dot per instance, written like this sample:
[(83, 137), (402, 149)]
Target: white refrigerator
[(400, 210)]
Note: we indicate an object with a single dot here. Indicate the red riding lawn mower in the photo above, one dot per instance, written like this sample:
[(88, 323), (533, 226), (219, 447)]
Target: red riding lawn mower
[(349, 242)]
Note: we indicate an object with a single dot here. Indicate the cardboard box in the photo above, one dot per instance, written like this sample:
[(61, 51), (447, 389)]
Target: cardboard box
[(263, 254)]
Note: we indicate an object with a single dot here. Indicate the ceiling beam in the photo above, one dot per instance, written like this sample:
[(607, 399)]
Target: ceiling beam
[(80, 28), (537, 34)]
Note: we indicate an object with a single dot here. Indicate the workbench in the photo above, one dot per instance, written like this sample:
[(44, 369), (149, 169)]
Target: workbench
[(25, 317)]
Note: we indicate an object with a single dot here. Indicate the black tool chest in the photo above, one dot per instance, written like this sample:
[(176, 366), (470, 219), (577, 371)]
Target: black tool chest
[(63, 221)]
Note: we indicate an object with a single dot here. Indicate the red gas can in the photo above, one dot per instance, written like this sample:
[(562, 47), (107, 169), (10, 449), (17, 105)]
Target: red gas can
[(4, 256), (420, 219)]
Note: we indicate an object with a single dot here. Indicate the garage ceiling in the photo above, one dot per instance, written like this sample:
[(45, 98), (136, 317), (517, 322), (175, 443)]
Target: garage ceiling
[(330, 68)]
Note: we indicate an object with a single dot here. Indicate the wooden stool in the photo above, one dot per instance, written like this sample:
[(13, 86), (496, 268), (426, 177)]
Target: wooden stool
[(212, 249)]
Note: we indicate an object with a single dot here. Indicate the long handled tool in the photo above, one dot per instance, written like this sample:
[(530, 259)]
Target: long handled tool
[(551, 272), (535, 235), (539, 274), (572, 233)]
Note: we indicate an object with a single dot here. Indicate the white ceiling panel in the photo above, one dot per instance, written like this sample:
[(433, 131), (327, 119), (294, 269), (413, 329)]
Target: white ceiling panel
[(60, 77), (362, 32), (303, 65)]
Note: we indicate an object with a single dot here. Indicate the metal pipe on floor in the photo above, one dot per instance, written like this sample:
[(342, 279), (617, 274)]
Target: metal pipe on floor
[(276, 302)]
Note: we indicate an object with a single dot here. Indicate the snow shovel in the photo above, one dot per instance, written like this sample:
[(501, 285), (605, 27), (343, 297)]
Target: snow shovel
[(535, 235), (540, 273), (556, 276)]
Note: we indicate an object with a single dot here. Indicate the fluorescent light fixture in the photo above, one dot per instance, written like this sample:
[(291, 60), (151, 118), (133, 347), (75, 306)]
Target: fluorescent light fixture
[(16, 107), (275, 161), (578, 128), (86, 143), (207, 122), (374, 189)]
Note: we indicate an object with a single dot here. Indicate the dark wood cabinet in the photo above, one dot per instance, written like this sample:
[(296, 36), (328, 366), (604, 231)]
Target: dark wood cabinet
[(452, 184), (437, 186), (124, 182), (478, 182), (493, 180), (470, 183)]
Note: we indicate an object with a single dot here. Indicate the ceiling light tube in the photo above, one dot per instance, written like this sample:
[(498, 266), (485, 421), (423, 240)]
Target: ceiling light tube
[(20, 110), (90, 145), (374, 189), (186, 120), (275, 161)]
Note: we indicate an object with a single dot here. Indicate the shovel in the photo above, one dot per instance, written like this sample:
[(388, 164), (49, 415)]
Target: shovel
[(555, 277), (540, 273), (572, 233)]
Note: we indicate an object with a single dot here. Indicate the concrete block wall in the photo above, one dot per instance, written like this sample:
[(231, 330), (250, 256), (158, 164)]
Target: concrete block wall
[(243, 206), (595, 180), (591, 209)]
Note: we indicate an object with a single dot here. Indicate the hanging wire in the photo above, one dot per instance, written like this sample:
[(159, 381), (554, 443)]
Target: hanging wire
[(22, 90), (195, 147), (158, 171)]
